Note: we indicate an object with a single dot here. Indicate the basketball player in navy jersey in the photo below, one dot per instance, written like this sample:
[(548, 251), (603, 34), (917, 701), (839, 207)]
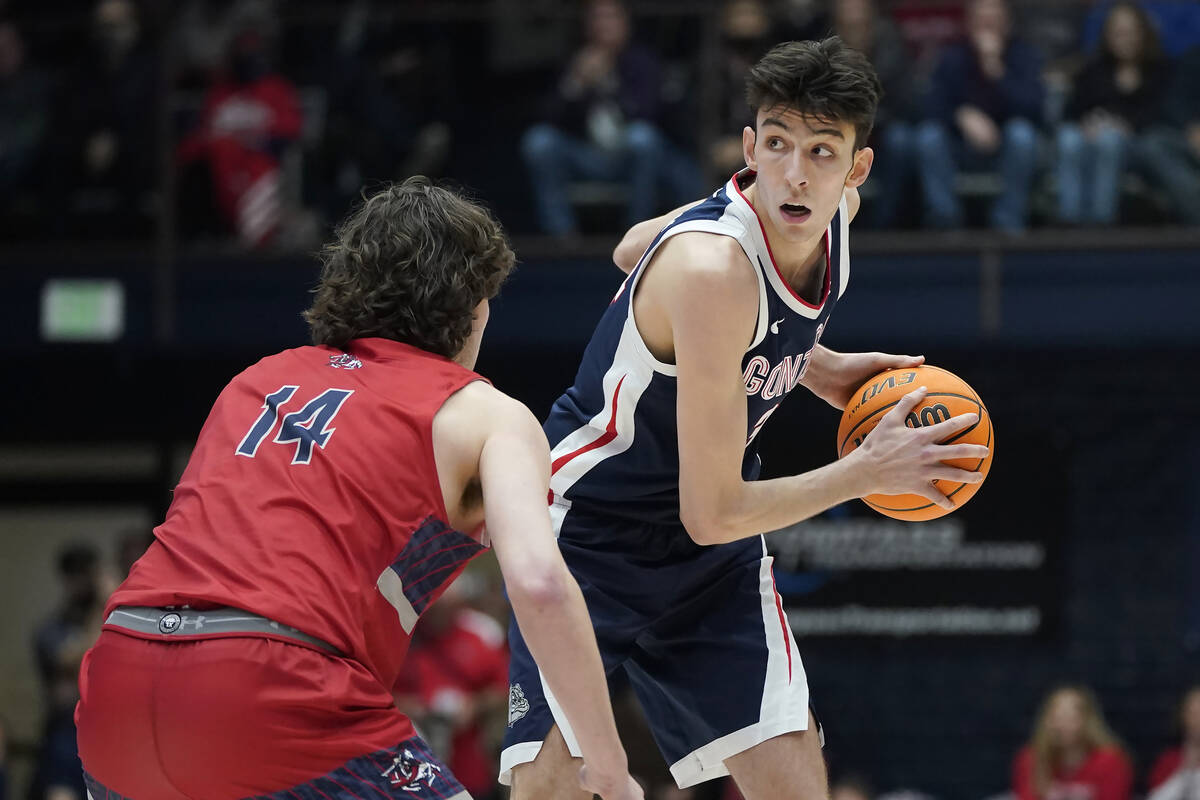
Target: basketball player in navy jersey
[(653, 489)]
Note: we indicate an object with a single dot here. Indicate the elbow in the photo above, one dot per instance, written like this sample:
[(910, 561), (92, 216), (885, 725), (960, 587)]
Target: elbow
[(703, 525), (540, 588), (626, 254)]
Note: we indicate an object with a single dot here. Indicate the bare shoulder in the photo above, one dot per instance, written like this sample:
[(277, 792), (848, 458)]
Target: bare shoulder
[(698, 263), (472, 420), (479, 408)]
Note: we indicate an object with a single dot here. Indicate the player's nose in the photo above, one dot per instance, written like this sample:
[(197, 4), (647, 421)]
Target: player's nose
[(796, 173)]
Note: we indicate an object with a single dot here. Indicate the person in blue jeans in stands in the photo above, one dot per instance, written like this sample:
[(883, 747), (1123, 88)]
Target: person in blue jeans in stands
[(983, 110), (1169, 153), (601, 123), (1118, 92)]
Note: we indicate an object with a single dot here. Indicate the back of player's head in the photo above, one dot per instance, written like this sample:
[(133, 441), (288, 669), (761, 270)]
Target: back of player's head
[(825, 80), (410, 263)]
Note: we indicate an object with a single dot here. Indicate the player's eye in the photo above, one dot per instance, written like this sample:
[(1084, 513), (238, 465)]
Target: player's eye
[(823, 151), (774, 143)]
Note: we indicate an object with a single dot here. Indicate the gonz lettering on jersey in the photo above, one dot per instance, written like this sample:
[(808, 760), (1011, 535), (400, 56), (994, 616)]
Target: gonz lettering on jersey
[(761, 379), (307, 428)]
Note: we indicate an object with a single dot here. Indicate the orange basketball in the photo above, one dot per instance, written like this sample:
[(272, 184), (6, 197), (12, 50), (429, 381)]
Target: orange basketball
[(948, 396)]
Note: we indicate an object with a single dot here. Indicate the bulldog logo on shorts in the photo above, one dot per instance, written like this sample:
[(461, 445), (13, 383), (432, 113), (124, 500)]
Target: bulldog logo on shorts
[(518, 706), (411, 774)]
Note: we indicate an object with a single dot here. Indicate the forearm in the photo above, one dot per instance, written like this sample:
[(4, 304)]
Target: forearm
[(635, 241), (756, 507), (817, 371), (558, 631)]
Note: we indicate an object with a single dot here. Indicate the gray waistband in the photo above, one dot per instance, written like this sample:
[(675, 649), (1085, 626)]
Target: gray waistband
[(187, 622)]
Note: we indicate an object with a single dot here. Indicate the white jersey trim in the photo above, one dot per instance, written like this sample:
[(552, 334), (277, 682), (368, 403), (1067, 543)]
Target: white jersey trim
[(757, 245), (784, 707), (844, 242), (611, 431)]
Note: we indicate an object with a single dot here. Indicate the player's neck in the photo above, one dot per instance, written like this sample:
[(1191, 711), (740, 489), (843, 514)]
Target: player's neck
[(796, 260)]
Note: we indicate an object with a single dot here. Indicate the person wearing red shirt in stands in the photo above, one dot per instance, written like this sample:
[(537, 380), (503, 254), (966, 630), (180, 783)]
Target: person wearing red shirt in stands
[(1072, 754), (251, 115), (1176, 773), (456, 683)]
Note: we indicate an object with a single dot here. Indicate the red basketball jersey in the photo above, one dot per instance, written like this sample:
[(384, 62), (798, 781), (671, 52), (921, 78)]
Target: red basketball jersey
[(312, 498)]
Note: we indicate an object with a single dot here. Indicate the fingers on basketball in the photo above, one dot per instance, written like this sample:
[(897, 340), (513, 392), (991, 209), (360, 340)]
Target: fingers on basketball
[(953, 421)]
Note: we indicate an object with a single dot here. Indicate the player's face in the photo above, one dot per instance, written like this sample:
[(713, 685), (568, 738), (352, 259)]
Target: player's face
[(803, 167), (470, 352)]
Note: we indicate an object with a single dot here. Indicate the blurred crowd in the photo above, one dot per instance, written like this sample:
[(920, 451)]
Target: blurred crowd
[(257, 122), (456, 691)]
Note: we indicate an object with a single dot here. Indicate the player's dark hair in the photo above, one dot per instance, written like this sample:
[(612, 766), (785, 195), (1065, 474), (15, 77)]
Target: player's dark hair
[(410, 263), (825, 80)]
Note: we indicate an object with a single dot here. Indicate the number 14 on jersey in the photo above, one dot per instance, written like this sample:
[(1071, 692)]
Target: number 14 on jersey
[(307, 427)]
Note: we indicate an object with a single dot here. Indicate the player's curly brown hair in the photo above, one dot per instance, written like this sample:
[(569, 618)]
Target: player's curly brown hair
[(825, 79), (410, 263)]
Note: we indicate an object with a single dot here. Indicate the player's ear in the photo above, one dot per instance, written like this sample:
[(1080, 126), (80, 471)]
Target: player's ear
[(748, 147), (861, 168)]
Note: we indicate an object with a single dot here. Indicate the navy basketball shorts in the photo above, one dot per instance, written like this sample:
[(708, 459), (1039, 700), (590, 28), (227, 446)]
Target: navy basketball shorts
[(700, 631)]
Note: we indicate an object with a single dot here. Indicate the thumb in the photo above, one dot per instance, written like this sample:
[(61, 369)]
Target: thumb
[(899, 362)]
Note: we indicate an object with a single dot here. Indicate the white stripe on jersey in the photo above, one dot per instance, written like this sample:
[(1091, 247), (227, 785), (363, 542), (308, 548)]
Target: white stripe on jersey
[(844, 240), (610, 432)]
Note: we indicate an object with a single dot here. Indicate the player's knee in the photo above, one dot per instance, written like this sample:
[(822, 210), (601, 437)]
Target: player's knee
[(1020, 134), (540, 142), (931, 137), (642, 138), (1070, 142)]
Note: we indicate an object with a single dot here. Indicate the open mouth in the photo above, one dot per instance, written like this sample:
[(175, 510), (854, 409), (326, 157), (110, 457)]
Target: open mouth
[(795, 213)]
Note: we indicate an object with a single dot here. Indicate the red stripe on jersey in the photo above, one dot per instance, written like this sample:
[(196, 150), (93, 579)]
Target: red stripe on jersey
[(787, 642), (610, 433)]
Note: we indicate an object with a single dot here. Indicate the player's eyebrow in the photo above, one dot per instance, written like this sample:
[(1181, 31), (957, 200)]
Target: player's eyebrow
[(811, 130)]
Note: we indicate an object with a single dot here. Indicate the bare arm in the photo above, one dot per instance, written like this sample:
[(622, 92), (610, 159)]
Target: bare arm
[(697, 274), (514, 470), (639, 237)]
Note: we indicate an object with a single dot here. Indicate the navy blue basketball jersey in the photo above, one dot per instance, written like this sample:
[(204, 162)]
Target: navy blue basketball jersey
[(613, 434)]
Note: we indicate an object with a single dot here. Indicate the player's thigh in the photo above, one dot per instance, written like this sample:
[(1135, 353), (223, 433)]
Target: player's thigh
[(720, 673), (553, 773), (786, 767)]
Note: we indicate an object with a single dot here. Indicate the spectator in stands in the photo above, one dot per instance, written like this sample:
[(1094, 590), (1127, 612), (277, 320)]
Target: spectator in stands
[(131, 546), (456, 687), (61, 640), (390, 87), (1176, 773), (1118, 93), (860, 25), (983, 110), (1072, 753), (203, 29), (602, 123), (59, 645), (1169, 154), (106, 164), (745, 37), (251, 116), (24, 112)]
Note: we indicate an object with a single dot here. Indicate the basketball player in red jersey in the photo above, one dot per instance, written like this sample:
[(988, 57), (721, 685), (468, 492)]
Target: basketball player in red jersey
[(335, 490)]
